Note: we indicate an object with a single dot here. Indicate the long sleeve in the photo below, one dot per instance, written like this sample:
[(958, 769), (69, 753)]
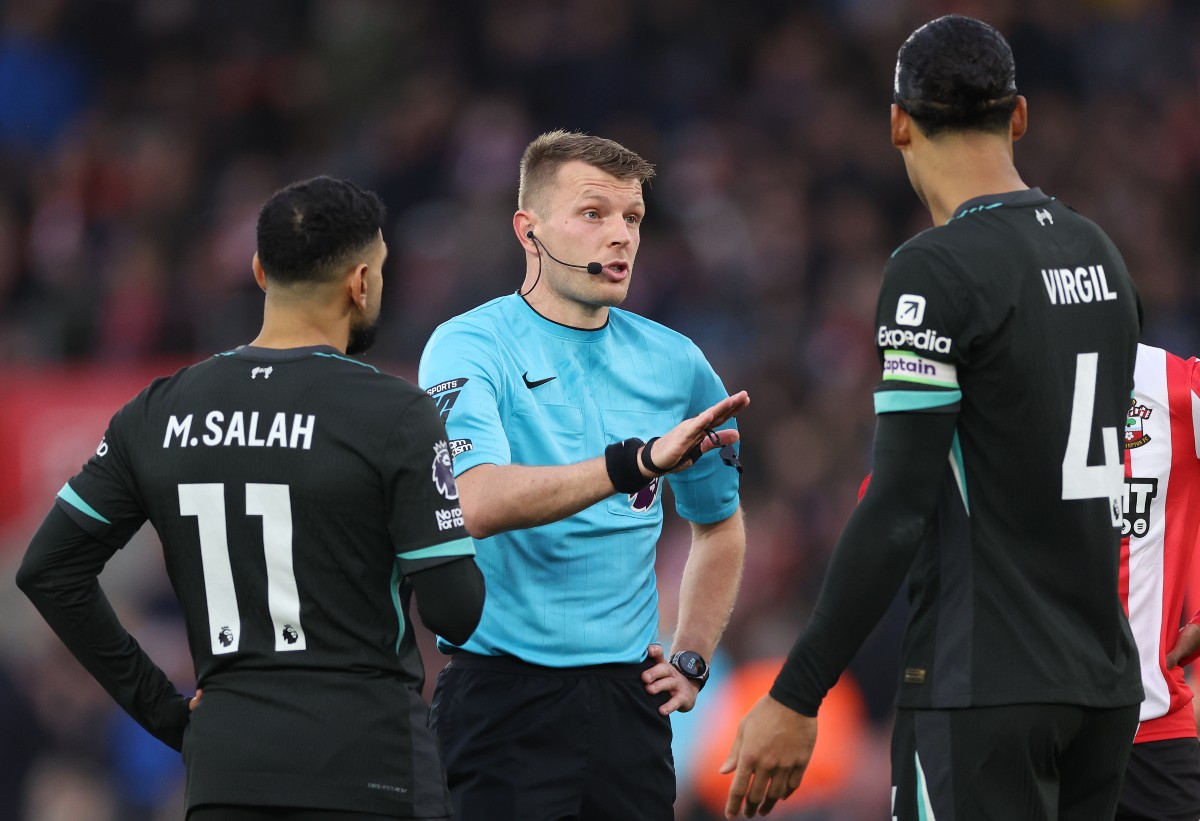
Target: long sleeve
[(60, 574), (450, 598), (872, 556)]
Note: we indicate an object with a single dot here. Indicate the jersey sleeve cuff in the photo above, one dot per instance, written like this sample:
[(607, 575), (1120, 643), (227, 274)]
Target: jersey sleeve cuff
[(929, 401), (457, 548)]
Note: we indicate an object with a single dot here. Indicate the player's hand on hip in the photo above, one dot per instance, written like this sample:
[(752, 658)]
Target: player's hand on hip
[(680, 447), (770, 753), (1186, 645), (194, 701), (663, 677)]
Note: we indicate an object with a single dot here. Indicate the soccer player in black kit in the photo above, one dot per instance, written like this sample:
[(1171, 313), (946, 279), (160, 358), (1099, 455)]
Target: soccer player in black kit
[(1007, 338), (300, 496)]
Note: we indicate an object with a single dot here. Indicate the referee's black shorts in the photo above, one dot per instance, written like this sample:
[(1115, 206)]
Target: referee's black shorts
[(1033, 762), (527, 743), (1162, 782)]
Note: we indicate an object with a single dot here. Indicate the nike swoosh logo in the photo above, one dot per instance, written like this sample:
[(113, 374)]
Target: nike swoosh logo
[(532, 385)]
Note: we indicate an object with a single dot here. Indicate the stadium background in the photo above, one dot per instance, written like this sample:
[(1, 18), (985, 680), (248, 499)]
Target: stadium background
[(139, 137)]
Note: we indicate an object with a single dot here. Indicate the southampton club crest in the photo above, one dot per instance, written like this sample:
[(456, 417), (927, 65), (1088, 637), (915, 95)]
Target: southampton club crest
[(443, 471), (1135, 436)]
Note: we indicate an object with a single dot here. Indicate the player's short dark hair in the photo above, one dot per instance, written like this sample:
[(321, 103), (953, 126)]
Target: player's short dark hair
[(956, 73), (547, 153), (309, 230)]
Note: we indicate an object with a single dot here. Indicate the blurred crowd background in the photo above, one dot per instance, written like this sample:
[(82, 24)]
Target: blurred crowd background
[(138, 139)]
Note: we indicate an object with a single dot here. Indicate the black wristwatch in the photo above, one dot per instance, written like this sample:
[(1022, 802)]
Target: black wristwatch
[(692, 665)]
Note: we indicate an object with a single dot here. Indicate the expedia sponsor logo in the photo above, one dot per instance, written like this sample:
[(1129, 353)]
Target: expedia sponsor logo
[(926, 340), (910, 310)]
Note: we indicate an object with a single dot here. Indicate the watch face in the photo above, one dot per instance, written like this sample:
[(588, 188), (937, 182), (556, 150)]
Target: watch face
[(692, 664)]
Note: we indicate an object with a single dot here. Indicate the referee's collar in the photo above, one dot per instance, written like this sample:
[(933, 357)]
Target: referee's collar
[(553, 328), (1029, 196)]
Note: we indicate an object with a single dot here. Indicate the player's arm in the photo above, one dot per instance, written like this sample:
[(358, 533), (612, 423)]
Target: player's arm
[(450, 598), (496, 498), (432, 546), (706, 594), (59, 575), (868, 565), (872, 555)]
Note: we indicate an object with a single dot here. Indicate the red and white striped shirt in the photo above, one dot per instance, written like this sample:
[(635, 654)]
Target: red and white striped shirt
[(1161, 529)]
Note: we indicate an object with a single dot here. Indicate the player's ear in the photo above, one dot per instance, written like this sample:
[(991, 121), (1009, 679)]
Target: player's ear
[(1020, 118), (901, 127), (260, 276), (359, 285)]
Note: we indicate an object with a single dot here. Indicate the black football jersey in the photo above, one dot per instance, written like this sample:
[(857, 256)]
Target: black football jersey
[(293, 492), (1019, 316)]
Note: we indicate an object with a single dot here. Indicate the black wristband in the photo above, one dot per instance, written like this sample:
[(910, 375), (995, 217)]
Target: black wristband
[(620, 460), (647, 462)]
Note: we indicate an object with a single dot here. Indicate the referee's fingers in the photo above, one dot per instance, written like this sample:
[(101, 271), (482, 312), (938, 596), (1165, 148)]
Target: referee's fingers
[(729, 407), (728, 436)]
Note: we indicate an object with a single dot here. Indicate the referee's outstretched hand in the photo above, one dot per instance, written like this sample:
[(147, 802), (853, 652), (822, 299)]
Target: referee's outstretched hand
[(770, 754), (677, 449)]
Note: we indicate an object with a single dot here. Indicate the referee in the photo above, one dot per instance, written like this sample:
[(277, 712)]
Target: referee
[(1006, 336), (568, 416)]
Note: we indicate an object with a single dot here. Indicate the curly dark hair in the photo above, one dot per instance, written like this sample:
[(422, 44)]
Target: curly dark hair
[(311, 229), (956, 73)]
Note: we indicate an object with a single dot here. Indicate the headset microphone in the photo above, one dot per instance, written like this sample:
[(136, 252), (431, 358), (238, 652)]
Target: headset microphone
[(592, 268)]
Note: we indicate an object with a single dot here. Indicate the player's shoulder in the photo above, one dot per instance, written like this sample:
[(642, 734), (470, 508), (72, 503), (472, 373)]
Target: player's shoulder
[(363, 383), (923, 260), (985, 233), (163, 387), (322, 369)]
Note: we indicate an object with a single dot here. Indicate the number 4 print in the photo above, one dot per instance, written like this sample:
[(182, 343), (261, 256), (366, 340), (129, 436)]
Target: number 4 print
[(273, 503), (1079, 479)]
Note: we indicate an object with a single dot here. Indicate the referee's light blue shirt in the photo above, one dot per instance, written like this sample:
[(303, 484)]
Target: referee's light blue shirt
[(517, 388)]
